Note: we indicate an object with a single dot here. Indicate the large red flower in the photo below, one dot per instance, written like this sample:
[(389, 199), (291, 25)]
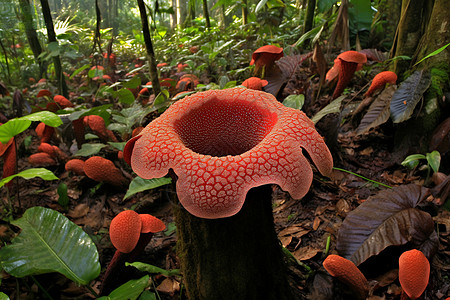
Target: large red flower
[(221, 143)]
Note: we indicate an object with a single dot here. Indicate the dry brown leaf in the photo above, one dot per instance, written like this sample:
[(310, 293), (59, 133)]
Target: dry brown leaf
[(305, 253), (286, 240), (290, 230), (79, 211), (316, 223), (168, 286)]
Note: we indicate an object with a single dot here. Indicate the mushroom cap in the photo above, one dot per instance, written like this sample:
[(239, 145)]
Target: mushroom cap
[(103, 170), (43, 93), (47, 148), (44, 132), (151, 224), (413, 272), (125, 230), (271, 51), (76, 166), (96, 123), (41, 159), (353, 57), (380, 80), (255, 83), (222, 143), (347, 272), (62, 101)]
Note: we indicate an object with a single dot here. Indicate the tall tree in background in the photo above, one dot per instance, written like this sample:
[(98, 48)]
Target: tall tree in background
[(423, 28), (244, 12), (52, 39), (309, 16), (30, 32), (206, 14), (149, 47)]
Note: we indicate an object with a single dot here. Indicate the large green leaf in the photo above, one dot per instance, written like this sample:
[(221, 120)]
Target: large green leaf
[(47, 117), (151, 269), (139, 184), (129, 290), (90, 149), (50, 242), (333, 107), (31, 173), (12, 128)]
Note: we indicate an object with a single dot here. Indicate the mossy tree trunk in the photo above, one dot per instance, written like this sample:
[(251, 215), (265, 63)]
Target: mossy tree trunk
[(30, 31), (244, 12), (413, 136), (62, 86), (206, 14), (309, 16), (149, 48), (238, 257)]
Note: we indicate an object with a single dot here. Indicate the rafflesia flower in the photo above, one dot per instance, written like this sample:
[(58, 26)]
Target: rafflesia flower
[(222, 143)]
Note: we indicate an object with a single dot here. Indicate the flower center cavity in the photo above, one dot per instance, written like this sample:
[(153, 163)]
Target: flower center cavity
[(222, 127)]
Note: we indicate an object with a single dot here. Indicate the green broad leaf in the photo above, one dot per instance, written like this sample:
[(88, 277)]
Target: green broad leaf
[(29, 174), (132, 83), (12, 128), (412, 161), (95, 73), (50, 242), (90, 149), (308, 35), (78, 71), (294, 101), (230, 84), (63, 198), (125, 96), (333, 107), (260, 5), (129, 290), (54, 49), (118, 146), (47, 117), (139, 184), (147, 295), (161, 101), (3, 296), (275, 3), (98, 110), (153, 269), (432, 54), (434, 160)]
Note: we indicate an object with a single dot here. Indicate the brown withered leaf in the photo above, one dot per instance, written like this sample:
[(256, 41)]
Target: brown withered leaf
[(389, 218), (375, 55), (378, 112), (441, 138), (320, 61), (288, 66), (305, 253)]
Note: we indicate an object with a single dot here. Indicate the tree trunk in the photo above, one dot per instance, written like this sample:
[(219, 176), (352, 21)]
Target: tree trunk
[(409, 31), (309, 16), (413, 136), (52, 38), (190, 14), (149, 47), (238, 257), (244, 12), (206, 14), (181, 12), (30, 32)]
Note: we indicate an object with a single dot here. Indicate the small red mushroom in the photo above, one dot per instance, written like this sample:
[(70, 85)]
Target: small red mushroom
[(222, 143), (255, 83), (380, 80), (44, 132), (347, 272), (103, 170), (125, 230), (130, 233), (266, 56), (41, 159), (62, 101), (43, 93), (413, 273), (76, 166), (348, 63), (9, 154), (97, 125), (187, 82)]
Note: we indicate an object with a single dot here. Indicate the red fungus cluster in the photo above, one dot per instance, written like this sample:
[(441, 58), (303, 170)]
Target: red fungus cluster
[(346, 64), (255, 83), (265, 57), (103, 170), (380, 80)]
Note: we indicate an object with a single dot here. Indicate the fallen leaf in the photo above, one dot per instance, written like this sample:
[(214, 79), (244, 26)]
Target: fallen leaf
[(305, 253), (79, 211)]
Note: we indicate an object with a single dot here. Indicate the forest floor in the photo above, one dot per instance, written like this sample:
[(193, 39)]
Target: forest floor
[(303, 226)]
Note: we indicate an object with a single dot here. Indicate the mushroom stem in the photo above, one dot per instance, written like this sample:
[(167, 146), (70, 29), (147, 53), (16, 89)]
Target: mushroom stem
[(238, 257), (117, 273)]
